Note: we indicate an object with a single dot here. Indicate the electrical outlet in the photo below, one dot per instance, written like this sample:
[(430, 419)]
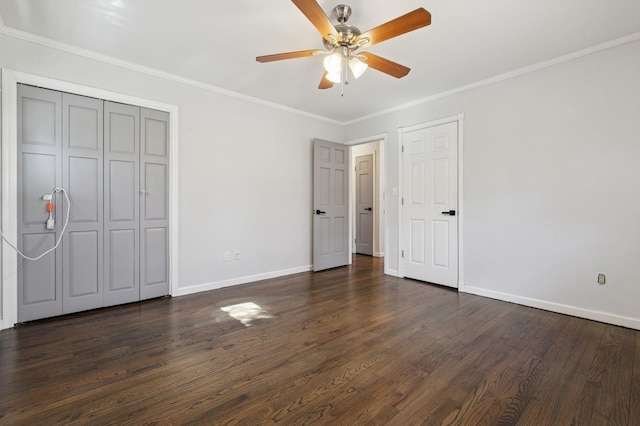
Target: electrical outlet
[(236, 254), (602, 279), (227, 256)]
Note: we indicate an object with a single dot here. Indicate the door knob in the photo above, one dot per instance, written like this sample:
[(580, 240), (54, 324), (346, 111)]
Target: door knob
[(320, 212), (368, 209), (450, 213)]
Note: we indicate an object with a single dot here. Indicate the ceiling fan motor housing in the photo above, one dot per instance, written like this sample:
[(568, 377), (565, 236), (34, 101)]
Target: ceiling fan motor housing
[(348, 33), (342, 13)]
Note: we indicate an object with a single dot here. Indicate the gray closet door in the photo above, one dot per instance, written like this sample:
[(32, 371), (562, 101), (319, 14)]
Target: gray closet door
[(121, 203), (154, 218), (39, 171), (82, 246)]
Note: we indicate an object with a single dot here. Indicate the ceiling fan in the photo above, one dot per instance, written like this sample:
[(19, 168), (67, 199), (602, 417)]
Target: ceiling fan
[(342, 42)]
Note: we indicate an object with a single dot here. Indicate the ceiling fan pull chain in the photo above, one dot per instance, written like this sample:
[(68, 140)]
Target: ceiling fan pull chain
[(343, 80)]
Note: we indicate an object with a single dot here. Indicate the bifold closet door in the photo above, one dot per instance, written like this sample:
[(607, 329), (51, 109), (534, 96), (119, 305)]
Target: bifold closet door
[(82, 171), (113, 161), (121, 203), (154, 218), (39, 172)]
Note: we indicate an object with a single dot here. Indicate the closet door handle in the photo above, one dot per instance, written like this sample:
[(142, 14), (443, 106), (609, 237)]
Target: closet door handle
[(450, 213)]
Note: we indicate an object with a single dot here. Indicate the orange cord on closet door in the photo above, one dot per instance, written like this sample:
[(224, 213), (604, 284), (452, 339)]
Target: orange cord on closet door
[(50, 224)]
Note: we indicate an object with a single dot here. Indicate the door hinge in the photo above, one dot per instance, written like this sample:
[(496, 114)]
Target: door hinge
[(402, 253), (403, 201), (402, 148)]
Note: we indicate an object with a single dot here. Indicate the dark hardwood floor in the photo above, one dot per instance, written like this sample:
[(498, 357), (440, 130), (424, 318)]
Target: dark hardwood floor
[(342, 347)]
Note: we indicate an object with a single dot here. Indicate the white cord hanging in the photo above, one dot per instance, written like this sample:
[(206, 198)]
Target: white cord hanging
[(66, 222)]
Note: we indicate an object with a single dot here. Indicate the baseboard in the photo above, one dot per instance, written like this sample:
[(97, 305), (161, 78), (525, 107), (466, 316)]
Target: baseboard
[(240, 280), (605, 317), (378, 254)]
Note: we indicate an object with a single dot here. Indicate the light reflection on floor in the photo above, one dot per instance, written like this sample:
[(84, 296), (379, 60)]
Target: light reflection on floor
[(246, 312)]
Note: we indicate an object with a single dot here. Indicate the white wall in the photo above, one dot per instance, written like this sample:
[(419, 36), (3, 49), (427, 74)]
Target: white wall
[(551, 184), (244, 168), (551, 194)]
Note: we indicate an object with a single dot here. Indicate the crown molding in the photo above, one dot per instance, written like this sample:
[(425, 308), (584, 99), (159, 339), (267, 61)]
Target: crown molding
[(43, 41), (22, 35), (506, 76)]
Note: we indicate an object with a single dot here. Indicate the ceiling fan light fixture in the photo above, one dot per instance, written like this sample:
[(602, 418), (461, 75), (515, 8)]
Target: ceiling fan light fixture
[(357, 67), (334, 77), (333, 63)]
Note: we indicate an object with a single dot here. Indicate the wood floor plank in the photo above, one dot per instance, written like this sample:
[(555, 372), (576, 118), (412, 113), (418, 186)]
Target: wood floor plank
[(347, 346), (634, 409)]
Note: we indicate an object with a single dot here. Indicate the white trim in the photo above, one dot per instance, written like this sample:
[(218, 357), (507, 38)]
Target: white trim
[(241, 280), (433, 123), (378, 254), (8, 167), (505, 76), (367, 139), (393, 273), (460, 199), (560, 308), (459, 119), (399, 272), (461, 287), (10, 79), (32, 38), (22, 35)]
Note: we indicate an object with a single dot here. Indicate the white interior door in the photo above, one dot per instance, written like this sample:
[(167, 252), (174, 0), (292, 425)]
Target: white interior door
[(429, 204), (364, 204), (330, 205)]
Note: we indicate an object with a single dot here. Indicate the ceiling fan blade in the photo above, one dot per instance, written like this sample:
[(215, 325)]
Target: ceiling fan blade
[(386, 66), (406, 23), (318, 18), (324, 83), (289, 55)]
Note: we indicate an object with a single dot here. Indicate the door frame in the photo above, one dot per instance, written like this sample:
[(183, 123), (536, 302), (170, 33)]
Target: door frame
[(459, 119), (8, 168), (379, 209), (375, 237)]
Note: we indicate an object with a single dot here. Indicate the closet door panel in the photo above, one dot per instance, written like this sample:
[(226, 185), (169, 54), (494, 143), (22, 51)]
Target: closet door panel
[(156, 179), (155, 260), (38, 179), (122, 203), (83, 264), (84, 181), (122, 270), (154, 222), (39, 172), (122, 191), (39, 286), (82, 130)]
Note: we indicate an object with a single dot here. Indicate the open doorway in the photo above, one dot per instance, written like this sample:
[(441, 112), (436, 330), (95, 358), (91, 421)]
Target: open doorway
[(367, 227)]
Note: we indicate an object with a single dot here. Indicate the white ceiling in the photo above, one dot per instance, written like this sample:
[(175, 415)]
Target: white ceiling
[(216, 42)]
